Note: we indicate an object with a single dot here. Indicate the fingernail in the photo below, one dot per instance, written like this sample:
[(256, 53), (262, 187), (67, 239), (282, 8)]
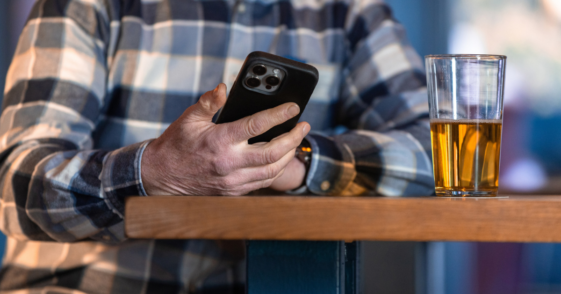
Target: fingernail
[(305, 129), (293, 110), (216, 90)]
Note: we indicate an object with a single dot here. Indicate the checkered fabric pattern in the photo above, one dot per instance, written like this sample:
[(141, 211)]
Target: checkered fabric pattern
[(92, 81)]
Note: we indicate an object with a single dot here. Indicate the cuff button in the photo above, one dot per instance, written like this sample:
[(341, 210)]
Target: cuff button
[(325, 185)]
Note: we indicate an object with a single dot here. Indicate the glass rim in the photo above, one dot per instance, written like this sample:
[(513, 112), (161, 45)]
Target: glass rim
[(466, 56)]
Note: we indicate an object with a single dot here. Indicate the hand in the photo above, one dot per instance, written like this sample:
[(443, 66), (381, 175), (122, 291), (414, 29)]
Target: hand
[(292, 176), (197, 157)]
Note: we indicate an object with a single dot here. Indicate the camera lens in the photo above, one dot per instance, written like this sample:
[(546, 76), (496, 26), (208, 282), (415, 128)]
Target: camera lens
[(272, 80), (259, 70), (253, 82)]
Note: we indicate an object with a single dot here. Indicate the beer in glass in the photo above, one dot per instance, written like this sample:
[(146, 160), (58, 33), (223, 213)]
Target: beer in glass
[(466, 113)]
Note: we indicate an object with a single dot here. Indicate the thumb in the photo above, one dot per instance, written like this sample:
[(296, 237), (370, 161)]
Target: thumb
[(208, 105)]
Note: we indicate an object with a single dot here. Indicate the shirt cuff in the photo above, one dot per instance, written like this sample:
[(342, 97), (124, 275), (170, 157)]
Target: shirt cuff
[(332, 169), (121, 176)]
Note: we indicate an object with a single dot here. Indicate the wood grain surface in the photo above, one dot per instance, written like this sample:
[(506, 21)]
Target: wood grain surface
[(512, 219)]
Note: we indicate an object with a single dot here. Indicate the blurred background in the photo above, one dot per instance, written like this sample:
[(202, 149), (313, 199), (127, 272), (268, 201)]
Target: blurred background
[(529, 33)]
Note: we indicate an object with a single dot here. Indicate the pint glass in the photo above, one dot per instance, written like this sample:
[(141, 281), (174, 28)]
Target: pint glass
[(466, 115)]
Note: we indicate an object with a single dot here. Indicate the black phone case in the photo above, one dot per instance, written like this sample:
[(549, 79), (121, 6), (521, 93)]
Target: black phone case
[(298, 85)]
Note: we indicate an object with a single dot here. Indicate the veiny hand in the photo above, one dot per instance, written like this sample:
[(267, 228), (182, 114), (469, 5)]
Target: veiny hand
[(194, 156)]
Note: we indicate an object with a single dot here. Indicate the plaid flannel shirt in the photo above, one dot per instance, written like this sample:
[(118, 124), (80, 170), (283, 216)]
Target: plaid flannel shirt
[(92, 81)]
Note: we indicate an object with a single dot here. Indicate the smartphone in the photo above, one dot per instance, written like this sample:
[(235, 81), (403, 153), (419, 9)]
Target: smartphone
[(266, 81)]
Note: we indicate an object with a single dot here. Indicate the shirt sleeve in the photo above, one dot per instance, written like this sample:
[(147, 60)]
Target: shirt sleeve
[(384, 103), (54, 186)]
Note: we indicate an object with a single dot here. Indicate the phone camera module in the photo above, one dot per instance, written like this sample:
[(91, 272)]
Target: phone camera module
[(272, 80), (259, 70), (252, 82)]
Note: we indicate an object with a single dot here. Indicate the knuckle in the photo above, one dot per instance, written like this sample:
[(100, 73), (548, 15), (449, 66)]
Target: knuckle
[(271, 171), (221, 167), (270, 156), (231, 193), (254, 126), (296, 140), (205, 101), (280, 114), (228, 184), (211, 143), (266, 183), (283, 115)]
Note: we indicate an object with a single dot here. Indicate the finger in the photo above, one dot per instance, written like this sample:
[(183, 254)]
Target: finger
[(257, 124), (273, 151), (208, 105), (278, 137), (249, 187), (264, 172), (256, 185)]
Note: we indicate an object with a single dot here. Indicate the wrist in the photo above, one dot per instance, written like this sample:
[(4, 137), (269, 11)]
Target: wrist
[(300, 171), (151, 170), (302, 159), (292, 177)]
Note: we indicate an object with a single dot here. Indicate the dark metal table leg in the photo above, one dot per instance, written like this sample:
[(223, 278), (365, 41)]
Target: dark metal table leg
[(302, 267), (353, 282)]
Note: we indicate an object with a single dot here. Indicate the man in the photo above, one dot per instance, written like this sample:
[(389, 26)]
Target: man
[(93, 82)]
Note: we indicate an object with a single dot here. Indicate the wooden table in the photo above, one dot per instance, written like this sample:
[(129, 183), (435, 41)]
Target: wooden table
[(320, 262)]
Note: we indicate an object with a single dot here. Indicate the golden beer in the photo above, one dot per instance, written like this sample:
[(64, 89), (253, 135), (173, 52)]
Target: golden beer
[(466, 156)]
